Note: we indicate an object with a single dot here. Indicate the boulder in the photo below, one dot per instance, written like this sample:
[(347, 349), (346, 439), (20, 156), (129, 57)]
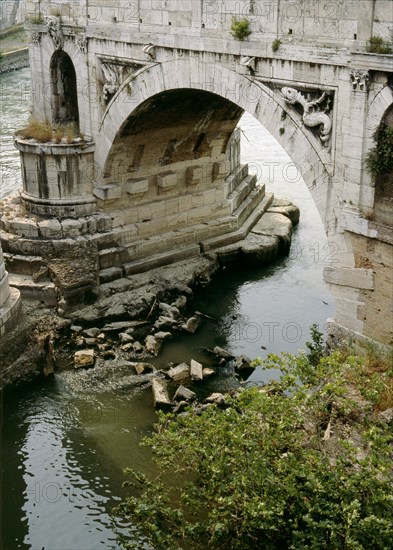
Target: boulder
[(181, 372), (196, 371), (160, 394), (84, 358), (184, 394)]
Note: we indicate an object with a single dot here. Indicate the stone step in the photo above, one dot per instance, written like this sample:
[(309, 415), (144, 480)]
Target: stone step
[(181, 238), (23, 265), (235, 178), (242, 191), (242, 232), (249, 204), (112, 257), (158, 260), (110, 274), (43, 291)]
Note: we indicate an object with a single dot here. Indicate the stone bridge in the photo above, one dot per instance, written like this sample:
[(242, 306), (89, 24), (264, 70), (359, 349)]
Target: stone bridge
[(156, 88)]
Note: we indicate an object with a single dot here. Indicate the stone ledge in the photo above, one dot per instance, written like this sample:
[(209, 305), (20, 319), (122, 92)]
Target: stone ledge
[(354, 277)]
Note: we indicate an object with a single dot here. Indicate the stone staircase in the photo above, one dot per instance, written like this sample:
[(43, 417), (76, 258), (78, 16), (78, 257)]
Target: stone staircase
[(130, 242)]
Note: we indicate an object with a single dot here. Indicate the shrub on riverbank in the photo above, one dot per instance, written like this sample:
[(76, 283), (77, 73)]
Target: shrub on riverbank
[(301, 463)]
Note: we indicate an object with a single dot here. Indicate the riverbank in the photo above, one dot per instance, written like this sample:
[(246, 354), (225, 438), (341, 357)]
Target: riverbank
[(145, 306), (14, 49)]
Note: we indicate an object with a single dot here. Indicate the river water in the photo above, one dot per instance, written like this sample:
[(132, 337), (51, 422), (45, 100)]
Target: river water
[(66, 440)]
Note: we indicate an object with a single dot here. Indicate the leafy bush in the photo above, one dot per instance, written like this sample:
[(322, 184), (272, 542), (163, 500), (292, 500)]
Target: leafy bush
[(379, 159), (376, 44), (291, 465), (276, 44), (240, 28)]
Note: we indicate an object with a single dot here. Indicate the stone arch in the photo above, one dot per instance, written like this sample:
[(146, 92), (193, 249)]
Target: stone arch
[(42, 85), (64, 89), (265, 104)]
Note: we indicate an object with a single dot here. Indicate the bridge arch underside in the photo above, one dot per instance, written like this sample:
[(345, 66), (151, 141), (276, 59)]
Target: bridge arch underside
[(169, 171)]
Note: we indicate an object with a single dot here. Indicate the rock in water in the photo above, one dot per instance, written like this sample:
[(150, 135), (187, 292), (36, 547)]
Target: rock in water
[(184, 394), (196, 371), (152, 345), (160, 394), (221, 352), (84, 358), (181, 372), (191, 324)]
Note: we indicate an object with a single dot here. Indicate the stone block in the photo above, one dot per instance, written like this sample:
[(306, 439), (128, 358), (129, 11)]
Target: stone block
[(137, 187), (180, 372), (160, 394), (166, 180), (194, 175), (107, 192), (196, 371), (350, 276), (50, 229), (71, 228)]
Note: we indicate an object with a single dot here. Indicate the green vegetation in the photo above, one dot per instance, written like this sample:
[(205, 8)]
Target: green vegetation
[(300, 463), (376, 44), (379, 159), (282, 131), (276, 44), (44, 132), (37, 19), (240, 28)]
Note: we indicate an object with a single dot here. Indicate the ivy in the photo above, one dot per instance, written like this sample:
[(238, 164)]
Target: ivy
[(379, 159)]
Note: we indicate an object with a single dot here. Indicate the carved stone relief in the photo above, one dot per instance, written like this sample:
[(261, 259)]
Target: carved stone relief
[(114, 73), (359, 79), (313, 109), (81, 42), (54, 30)]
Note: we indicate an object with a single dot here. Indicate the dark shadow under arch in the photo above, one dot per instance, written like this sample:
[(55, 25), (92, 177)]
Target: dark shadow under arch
[(64, 89)]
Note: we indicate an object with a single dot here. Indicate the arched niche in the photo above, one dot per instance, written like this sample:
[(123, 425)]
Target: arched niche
[(64, 89)]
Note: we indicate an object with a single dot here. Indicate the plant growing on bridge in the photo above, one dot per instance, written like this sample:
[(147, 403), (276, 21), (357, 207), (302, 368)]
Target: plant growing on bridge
[(276, 44), (376, 44), (240, 28), (276, 468), (379, 159), (43, 131)]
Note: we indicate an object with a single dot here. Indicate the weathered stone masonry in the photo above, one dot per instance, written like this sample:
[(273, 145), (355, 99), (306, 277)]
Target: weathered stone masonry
[(159, 87)]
